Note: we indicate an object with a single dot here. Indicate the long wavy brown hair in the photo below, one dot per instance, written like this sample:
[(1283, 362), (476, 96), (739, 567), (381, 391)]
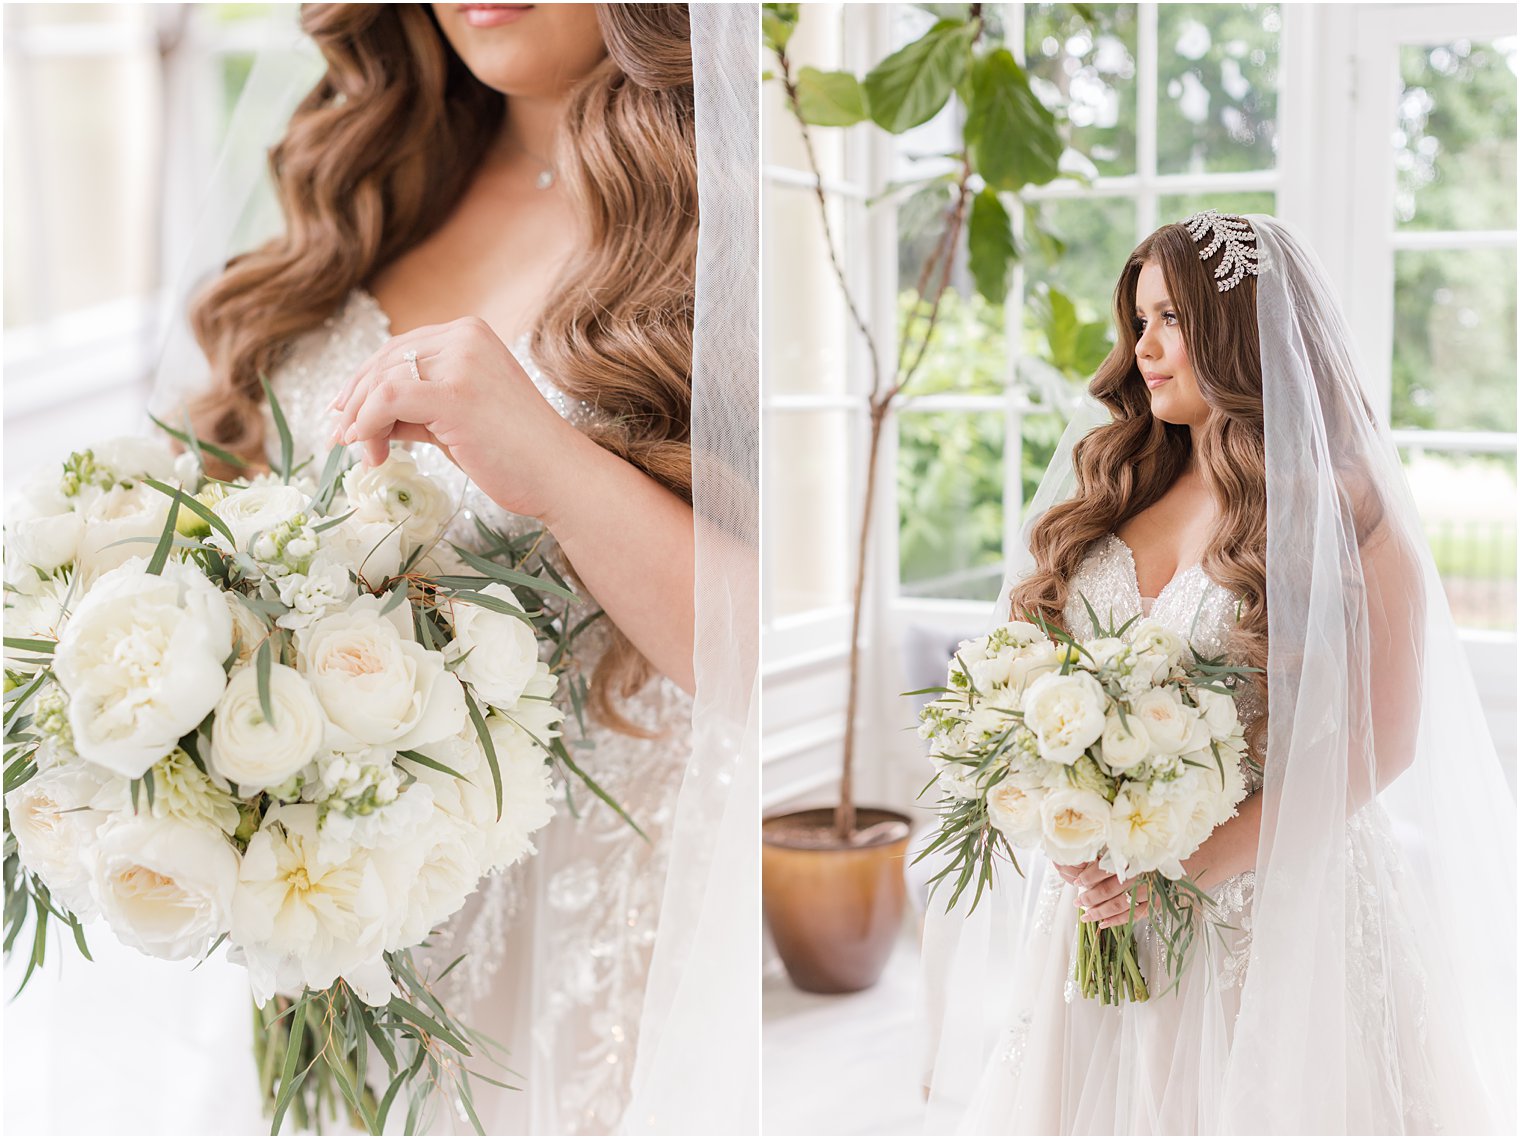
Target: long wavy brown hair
[(1126, 465), (376, 157)]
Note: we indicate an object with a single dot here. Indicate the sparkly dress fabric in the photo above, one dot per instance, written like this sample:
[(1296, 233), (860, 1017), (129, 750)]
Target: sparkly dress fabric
[(1068, 1065), (557, 947)]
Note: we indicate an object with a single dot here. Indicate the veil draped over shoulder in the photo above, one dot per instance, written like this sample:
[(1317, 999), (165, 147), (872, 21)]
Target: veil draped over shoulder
[(1379, 994)]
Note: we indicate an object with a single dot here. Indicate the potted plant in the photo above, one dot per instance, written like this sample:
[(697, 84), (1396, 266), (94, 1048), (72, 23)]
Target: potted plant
[(833, 881)]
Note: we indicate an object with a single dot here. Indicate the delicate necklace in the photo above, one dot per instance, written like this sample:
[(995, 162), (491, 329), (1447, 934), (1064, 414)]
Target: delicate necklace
[(547, 176)]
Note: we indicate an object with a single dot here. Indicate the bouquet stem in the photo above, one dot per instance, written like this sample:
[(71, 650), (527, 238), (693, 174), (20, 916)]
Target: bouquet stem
[(1107, 968)]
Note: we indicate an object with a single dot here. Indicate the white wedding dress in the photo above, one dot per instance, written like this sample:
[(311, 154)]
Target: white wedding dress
[(1068, 1065), (558, 947)]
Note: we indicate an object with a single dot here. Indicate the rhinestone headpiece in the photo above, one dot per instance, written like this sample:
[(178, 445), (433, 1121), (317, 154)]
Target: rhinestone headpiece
[(1235, 235)]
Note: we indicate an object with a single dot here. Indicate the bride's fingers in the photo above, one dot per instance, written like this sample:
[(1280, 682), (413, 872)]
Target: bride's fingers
[(387, 404), (390, 351)]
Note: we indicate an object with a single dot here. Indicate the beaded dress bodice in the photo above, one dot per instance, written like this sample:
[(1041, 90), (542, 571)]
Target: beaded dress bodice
[(557, 947)]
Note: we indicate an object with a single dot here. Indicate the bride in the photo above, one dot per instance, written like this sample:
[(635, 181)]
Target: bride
[(1353, 977), (490, 256)]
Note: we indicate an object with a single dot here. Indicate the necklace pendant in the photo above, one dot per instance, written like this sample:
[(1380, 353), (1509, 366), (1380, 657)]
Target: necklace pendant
[(545, 179)]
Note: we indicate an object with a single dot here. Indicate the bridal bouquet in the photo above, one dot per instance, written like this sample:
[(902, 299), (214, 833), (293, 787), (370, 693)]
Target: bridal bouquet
[(279, 713), (1125, 748)]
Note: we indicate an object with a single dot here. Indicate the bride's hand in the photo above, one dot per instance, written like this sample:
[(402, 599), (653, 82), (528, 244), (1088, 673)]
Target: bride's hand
[(1105, 898), (473, 400)]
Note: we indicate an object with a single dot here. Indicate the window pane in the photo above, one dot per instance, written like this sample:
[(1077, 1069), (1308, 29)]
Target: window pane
[(1454, 141), (1469, 504), (1091, 74), (1454, 340), (1216, 87), (79, 182), (1099, 234), (950, 504), (808, 535), (1179, 207), (808, 350)]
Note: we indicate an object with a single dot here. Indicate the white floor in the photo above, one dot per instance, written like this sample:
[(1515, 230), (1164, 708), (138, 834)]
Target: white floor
[(844, 1065)]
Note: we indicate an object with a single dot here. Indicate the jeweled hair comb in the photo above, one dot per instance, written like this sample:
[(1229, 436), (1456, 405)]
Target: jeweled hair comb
[(1237, 238)]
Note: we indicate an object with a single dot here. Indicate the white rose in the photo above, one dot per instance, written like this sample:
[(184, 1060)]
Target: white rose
[(1075, 824), (164, 885), (1015, 811), (141, 660), (501, 652), (398, 492), (256, 509), (133, 456), (1124, 745), (54, 816), (306, 914), (256, 753), (1145, 834), (1218, 712), (1166, 720), (377, 685), (1066, 714), (312, 596), (137, 512)]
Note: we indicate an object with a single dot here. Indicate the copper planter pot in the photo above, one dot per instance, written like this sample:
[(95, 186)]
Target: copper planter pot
[(834, 911)]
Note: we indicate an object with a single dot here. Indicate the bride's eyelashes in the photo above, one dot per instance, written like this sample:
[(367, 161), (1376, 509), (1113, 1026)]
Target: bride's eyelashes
[(1139, 322)]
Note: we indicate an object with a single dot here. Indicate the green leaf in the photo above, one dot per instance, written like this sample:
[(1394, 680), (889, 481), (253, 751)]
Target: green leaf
[(512, 577), (909, 87), (288, 1080), (991, 245), (495, 604), (428, 761), (160, 556), (30, 645), (287, 444), (201, 445), (830, 98), (1011, 136), (263, 662), (415, 1015), (564, 757), (777, 23), (327, 488), (199, 508), (485, 742)]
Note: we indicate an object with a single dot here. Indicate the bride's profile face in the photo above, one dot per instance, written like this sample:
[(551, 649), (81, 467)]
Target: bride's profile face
[(1161, 355), (524, 49)]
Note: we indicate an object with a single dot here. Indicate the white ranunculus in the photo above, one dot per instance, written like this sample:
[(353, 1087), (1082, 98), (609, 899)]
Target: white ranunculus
[(1021, 632), (1075, 824), (137, 512), (1145, 834), (255, 509), (377, 685), (1156, 651), (1124, 745), (305, 914), (1106, 650), (397, 491), (1015, 810), (54, 816), (1167, 721), (256, 753), (1066, 714), (164, 885), (371, 549), (311, 596), (141, 660), (501, 652), (1218, 711)]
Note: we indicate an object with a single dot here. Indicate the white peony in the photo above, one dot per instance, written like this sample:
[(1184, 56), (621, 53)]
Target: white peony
[(1166, 720), (54, 816), (1075, 824), (994, 672), (1155, 651), (253, 510), (1016, 811), (451, 869), (256, 753), (1145, 834), (377, 685), (398, 492), (43, 540), (1218, 712), (501, 652), (164, 885), (120, 524), (1066, 714), (38, 615), (306, 915), (1124, 745), (133, 456), (141, 660)]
